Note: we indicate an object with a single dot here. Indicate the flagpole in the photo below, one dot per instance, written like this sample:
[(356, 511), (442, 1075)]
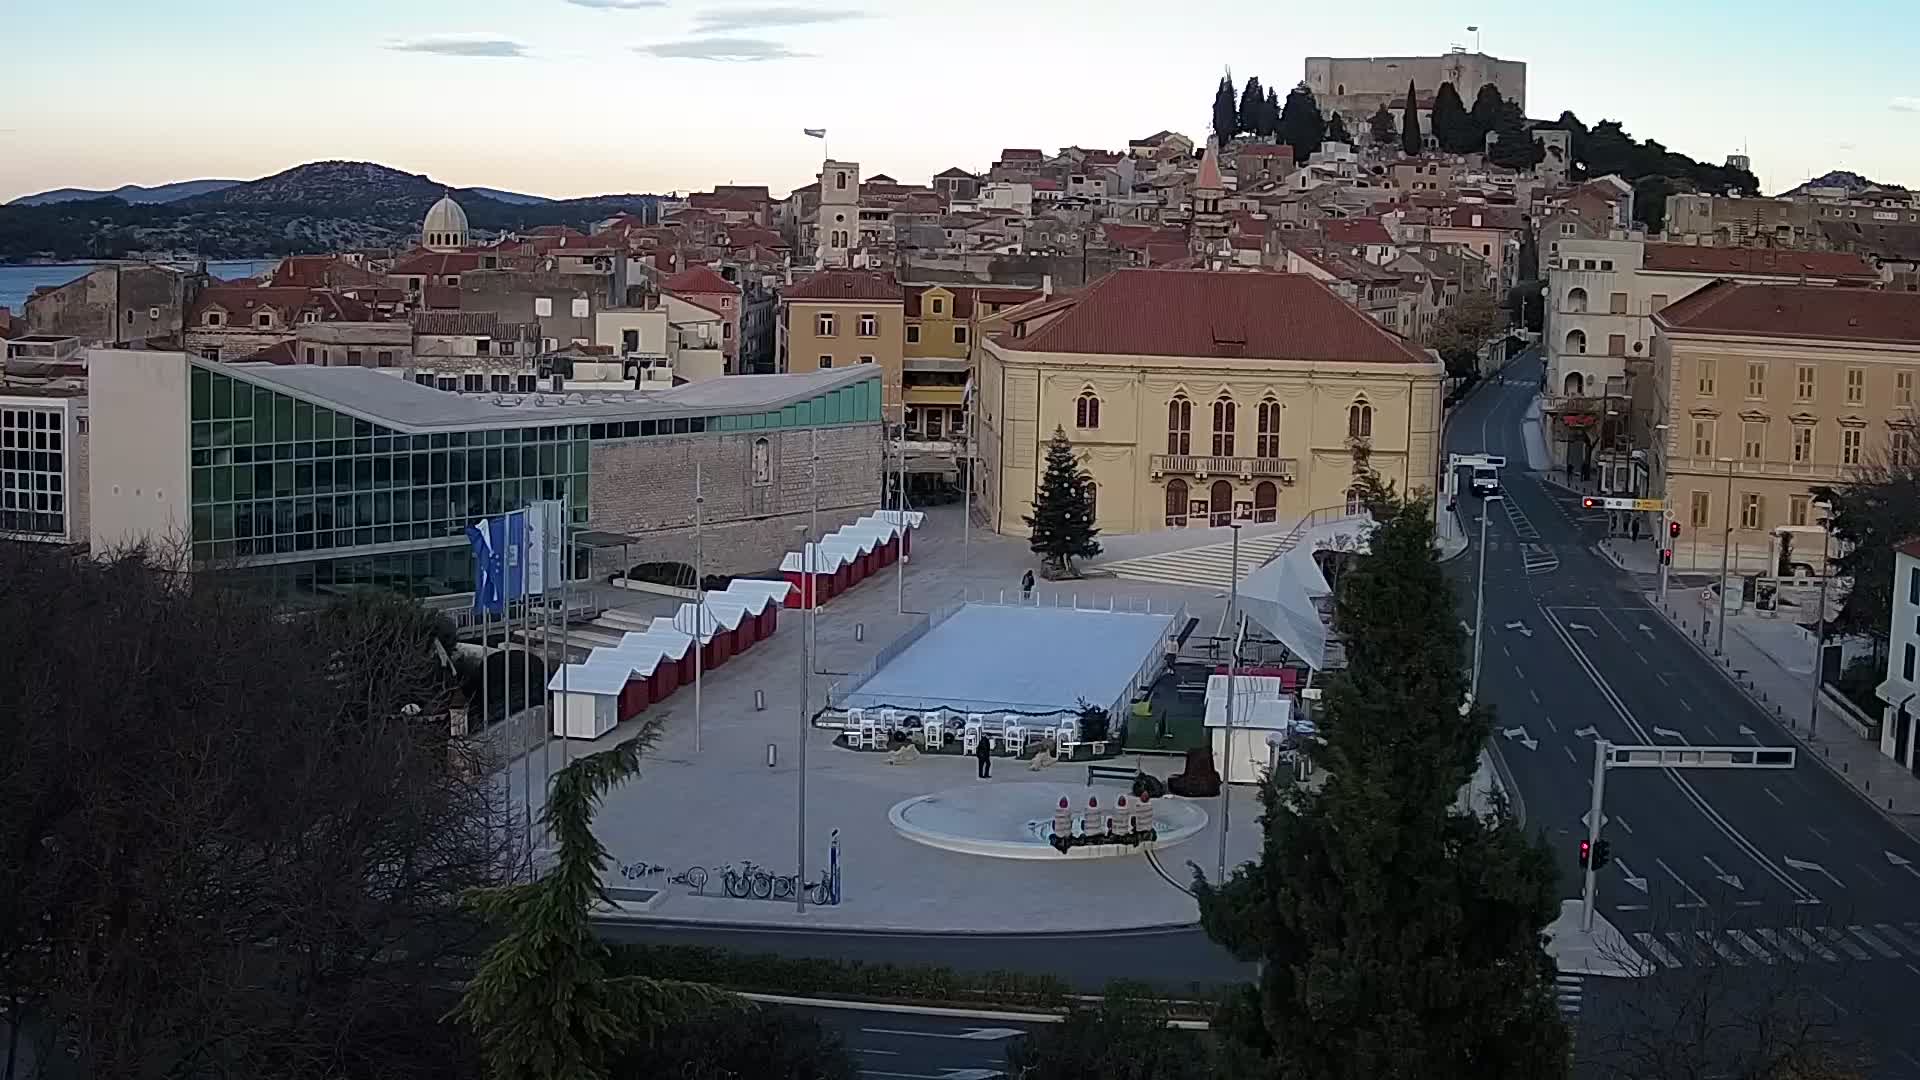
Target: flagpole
[(566, 651), (481, 602), (546, 665), (526, 687), (699, 603)]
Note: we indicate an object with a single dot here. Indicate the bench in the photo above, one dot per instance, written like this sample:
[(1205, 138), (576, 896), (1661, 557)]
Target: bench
[(1111, 772)]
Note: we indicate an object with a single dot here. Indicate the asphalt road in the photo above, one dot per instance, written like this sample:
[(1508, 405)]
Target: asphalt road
[(1761, 869), (900, 1046)]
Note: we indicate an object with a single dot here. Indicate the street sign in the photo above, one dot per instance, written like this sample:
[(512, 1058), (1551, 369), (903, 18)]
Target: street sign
[(1461, 461), (1700, 757), (1594, 502)]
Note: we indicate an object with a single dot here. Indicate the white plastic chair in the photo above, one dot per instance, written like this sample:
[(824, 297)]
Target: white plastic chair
[(1013, 737), (933, 727), (869, 734), (1065, 738), (971, 735), (856, 719)]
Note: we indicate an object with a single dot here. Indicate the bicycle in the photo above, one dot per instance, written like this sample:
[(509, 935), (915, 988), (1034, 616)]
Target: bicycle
[(751, 880), (693, 877), (641, 869)]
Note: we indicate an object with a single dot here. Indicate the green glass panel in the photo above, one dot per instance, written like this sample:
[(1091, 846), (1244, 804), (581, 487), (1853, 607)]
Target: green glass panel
[(222, 387), (303, 419), (203, 523), (243, 432), (202, 485), (263, 414), (242, 397), (223, 522), (202, 433), (200, 394), (222, 483), (243, 482), (580, 455)]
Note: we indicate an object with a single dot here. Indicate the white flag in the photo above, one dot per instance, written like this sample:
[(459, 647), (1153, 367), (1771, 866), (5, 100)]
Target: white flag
[(818, 133)]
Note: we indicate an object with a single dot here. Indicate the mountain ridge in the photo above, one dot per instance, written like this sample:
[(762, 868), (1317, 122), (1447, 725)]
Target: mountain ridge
[(131, 194)]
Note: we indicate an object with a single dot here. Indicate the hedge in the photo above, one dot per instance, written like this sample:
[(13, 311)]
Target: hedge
[(771, 974)]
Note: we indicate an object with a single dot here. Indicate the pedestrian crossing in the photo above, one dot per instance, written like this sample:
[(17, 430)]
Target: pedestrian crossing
[(1740, 947), (1208, 566)]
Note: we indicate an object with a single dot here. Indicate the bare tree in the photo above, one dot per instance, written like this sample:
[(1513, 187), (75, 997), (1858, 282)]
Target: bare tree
[(234, 839)]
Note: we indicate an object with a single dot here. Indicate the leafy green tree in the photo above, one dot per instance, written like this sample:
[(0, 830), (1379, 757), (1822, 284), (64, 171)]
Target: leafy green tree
[(1516, 147), (1452, 128), (1462, 329), (1124, 1037), (544, 1003), (1382, 126), (1062, 520), (1410, 140), (1301, 126), (1399, 936), (1253, 108), (1486, 109), (1226, 116), (1337, 130), (1878, 507), (1650, 201)]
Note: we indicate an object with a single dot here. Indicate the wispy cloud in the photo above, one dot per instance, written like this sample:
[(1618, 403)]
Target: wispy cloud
[(1904, 104), (759, 18), (490, 45), (739, 50), (619, 5)]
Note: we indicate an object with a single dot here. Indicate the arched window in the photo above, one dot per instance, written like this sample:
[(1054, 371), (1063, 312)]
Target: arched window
[(1220, 504), (1267, 444), (1576, 341), (1176, 503), (1266, 501), (1360, 420), (840, 181), (1086, 410), (1354, 502), (1577, 300), (1223, 423), (762, 461), (1179, 426), (1575, 385)]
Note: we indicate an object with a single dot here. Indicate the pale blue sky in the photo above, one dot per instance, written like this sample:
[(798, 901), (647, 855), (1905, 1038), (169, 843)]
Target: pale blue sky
[(575, 97)]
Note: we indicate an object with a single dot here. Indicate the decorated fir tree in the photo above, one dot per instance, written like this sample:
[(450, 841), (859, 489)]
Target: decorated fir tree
[(1062, 520)]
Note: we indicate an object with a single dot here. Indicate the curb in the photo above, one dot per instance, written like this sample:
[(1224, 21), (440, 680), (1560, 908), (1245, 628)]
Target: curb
[(670, 922), (944, 1010), (1785, 722)]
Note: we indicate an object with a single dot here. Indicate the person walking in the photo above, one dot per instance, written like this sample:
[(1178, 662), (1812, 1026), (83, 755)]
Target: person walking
[(1026, 585), (984, 753)]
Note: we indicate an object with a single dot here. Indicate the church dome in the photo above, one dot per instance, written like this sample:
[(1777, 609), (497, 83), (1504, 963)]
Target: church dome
[(445, 226)]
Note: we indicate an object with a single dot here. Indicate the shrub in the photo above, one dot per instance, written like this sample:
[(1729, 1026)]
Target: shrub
[(729, 1041), (1124, 1037), (1148, 786), (768, 973), (1094, 722)]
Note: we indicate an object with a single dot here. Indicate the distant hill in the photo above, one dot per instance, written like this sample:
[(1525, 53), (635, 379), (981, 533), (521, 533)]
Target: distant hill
[(132, 194), (1840, 178), (322, 206)]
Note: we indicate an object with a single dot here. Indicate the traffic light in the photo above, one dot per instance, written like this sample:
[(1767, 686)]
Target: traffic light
[(1673, 529), (1586, 852), (1602, 854), (1589, 503), (1666, 556)]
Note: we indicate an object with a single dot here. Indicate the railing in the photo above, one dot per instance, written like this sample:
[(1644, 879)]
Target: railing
[(1244, 467), (459, 609), (1791, 470)]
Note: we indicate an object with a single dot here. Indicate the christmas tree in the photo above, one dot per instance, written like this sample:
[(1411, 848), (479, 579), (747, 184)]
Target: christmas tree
[(1062, 520)]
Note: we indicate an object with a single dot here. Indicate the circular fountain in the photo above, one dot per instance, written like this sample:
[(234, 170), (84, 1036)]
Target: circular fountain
[(1029, 820)]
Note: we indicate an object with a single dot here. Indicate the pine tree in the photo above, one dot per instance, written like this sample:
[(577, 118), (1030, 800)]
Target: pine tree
[(1452, 128), (1226, 117), (1301, 126), (1399, 937), (1253, 107), (1385, 131), (1062, 520), (1337, 130), (1410, 141), (1486, 110), (545, 1002)]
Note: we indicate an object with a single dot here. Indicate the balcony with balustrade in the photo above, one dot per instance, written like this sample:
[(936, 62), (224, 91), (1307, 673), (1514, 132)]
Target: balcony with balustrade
[(1203, 467)]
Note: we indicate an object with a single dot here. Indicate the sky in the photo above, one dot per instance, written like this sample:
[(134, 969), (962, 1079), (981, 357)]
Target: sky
[(578, 97)]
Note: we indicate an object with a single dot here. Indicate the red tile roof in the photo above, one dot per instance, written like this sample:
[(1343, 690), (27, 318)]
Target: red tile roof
[(1355, 231), (1021, 155), (699, 279), (1210, 314), (1730, 260), (238, 300), (319, 271), (1491, 217), (845, 285), (435, 263), (1260, 150), (440, 297), (1803, 312)]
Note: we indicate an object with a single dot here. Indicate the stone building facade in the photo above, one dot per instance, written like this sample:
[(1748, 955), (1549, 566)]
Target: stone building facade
[(116, 305)]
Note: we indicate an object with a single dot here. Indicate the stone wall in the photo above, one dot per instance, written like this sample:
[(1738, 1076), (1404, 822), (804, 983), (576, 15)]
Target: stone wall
[(644, 487)]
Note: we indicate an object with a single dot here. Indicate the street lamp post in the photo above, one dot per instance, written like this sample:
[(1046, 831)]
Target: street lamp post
[(1233, 676), (1820, 632), (1726, 551), (1480, 597)]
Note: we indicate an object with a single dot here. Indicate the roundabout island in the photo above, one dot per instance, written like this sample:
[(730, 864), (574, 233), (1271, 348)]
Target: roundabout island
[(1029, 821)]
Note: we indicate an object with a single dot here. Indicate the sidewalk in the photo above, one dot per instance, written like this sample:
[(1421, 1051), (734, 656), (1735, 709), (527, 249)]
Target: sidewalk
[(1760, 658)]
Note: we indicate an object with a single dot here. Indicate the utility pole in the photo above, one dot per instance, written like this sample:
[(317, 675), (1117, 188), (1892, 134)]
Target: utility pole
[(1594, 818), (699, 601), (1480, 597), (1726, 551), (806, 721), (1820, 634)]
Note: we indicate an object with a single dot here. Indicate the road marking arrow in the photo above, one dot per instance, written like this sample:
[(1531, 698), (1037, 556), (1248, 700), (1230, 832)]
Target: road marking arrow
[(1902, 863), (1647, 630), (975, 1034), (1745, 730), (1668, 733), (1576, 627), (1636, 882), (1520, 735), (1801, 864), (1587, 732), (1522, 627), (1725, 878)]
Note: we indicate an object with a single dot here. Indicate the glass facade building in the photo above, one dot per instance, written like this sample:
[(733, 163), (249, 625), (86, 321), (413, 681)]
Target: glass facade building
[(33, 470), (291, 489)]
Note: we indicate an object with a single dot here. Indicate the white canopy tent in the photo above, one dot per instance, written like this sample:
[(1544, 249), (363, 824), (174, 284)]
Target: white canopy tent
[(1262, 716)]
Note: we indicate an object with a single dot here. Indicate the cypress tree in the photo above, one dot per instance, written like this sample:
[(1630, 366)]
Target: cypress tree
[(1271, 112), (1253, 107), (1451, 126), (1410, 122), (1226, 116), (1399, 937), (1062, 521), (1486, 111), (1337, 130), (1381, 124), (1301, 125)]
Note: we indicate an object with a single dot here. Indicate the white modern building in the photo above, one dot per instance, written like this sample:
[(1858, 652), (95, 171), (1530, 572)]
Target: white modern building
[(1902, 684)]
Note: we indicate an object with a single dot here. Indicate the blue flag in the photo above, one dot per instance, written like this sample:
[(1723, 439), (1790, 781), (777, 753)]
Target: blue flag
[(486, 580)]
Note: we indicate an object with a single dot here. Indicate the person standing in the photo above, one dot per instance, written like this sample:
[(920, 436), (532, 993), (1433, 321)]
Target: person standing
[(984, 754), (1026, 585)]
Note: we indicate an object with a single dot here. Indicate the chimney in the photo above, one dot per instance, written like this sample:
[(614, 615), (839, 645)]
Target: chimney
[(1046, 286)]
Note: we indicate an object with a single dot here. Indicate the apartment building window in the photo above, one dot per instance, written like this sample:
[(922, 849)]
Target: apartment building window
[(1703, 438), (1616, 344), (353, 357), (1576, 300), (869, 324), (1658, 301), (823, 324), (1906, 662), (310, 354), (959, 335), (1616, 302), (424, 378), (1607, 264), (1267, 423), (826, 361), (263, 320), (866, 359), (1701, 509), (447, 383), (1850, 446), (473, 384), (1802, 444), (939, 305), (1086, 410), (1567, 228), (1753, 439), (1913, 586), (1756, 380), (1752, 509), (1856, 385), (1225, 415), (1359, 420), (1903, 387), (1900, 446), (1179, 426), (1705, 376), (500, 384), (913, 335), (1803, 384), (1797, 509)]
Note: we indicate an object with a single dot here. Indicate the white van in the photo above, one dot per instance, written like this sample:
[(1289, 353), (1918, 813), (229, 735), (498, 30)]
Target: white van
[(1486, 481)]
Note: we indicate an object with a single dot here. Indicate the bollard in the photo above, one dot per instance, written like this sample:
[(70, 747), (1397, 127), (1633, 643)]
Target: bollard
[(859, 631), (760, 701), (773, 754), (1843, 768)]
